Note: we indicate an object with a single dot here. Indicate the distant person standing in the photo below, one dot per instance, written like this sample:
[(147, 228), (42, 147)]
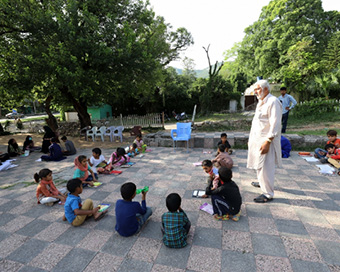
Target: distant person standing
[(288, 102)]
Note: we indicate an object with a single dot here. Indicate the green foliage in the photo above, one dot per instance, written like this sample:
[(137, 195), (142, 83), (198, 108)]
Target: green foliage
[(316, 107), (287, 45), (84, 52)]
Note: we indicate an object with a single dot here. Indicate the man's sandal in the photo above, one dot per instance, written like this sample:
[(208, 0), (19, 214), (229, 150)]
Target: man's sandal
[(262, 199), (255, 184)]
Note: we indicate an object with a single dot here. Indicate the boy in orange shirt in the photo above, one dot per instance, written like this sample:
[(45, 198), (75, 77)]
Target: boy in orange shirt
[(332, 139)]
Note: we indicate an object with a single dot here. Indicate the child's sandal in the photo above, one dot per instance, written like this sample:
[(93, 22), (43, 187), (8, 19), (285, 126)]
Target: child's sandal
[(217, 217), (236, 217), (225, 217)]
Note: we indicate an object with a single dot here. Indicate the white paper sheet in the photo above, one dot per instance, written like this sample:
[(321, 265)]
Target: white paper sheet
[(311, 159), (326, 169)]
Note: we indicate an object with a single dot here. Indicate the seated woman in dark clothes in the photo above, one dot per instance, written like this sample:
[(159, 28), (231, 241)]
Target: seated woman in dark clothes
[(13, 149), (29, 145), (49, 134), (55, 152)]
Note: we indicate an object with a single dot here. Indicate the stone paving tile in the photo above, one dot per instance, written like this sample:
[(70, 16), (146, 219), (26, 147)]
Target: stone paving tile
[(301, 249), (175, 257), (10, 244), (204, 259), (162, 268), (50, 256), (29, 250), (237, 262), (76, 260), (16, 224), (95, 240), (269, 264), (329, 250), (145, 249), (237, 241), (320, 233), (103, 262), (133, 265), (299, 265), (207, 237), (9, 266), (274, 245), (291, 228), (28, 268), (34, 227), (262, 225)]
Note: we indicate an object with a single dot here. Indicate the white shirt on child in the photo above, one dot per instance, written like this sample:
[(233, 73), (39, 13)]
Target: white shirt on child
[(95, 162)]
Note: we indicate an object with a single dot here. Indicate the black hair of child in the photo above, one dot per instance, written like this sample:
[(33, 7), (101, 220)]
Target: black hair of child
[(97, 151), (73, 184), (283, 89), (173, 202), (64, 138), (329, 146), (120, 151), (127, 190), (53, 140), (221, 147), (42, 174), (332, 133), (81, 158), (134, 145), (225, 174), (139, 136), (11, 142), (207, 163), (224, 135)]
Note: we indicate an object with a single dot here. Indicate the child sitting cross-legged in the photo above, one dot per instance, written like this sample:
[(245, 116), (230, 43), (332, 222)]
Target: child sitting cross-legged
[(140, 144), (117, 158), (130, 215), (332, 139), (97, 161), (82, 171), (133, 150), (223, 159), (75, 211), (226, 199), (47, 193), (175, 223)]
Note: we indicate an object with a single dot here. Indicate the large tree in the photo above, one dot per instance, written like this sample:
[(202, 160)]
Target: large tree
[(282, 28), (84, 52)]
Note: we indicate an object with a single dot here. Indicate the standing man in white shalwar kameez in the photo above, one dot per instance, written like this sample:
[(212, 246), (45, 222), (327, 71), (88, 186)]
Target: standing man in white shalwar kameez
[(264, 146)]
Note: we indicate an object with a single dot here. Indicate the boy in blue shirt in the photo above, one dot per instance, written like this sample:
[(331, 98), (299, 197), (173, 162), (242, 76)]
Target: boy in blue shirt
[(130, 215), (75, 211), (175, 223)]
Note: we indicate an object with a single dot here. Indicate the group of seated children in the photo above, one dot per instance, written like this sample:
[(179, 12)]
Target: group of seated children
[(332, 148), (225, 195)]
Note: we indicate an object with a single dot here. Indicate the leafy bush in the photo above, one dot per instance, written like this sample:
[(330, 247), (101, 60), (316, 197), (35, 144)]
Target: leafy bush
[(316, 106)]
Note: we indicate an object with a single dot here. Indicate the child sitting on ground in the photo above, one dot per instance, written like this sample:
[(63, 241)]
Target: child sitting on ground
[(117, 158), (333, 152), (140, 144), (133, 150), (130, 215), (224, 141), (70, 149), (175, 223), (55, 152), (97, 161), (29, 145), (226, 199), (332, 139), (223, 159), (75, 211), (212, 171), (47, 193), (82, 171), (13, 149)]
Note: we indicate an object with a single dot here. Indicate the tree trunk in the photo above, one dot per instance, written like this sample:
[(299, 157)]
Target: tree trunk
[(1, 129), (80, 107), (51, 121)]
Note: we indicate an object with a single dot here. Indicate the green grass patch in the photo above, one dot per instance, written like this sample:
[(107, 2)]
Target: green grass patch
[(213, 117), (323, 119), (318, 132)]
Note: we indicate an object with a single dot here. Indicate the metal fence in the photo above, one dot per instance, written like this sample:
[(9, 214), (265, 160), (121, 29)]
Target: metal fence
[(152, 120)]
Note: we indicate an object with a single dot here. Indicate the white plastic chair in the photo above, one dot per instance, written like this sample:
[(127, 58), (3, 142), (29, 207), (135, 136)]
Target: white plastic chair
[(109, 132), (100, 132), (118, 132), (91, 133)]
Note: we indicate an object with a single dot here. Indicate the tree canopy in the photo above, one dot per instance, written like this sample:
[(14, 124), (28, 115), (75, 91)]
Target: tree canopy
[(84, 52)]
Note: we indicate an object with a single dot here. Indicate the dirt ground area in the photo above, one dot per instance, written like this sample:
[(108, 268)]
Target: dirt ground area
[(80, 143)]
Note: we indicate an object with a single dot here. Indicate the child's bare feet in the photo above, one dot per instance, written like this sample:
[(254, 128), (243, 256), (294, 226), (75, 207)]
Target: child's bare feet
[(99, 215), (64, 217)]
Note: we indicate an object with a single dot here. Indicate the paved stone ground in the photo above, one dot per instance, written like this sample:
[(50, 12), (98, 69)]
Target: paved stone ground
[(298, 231)]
